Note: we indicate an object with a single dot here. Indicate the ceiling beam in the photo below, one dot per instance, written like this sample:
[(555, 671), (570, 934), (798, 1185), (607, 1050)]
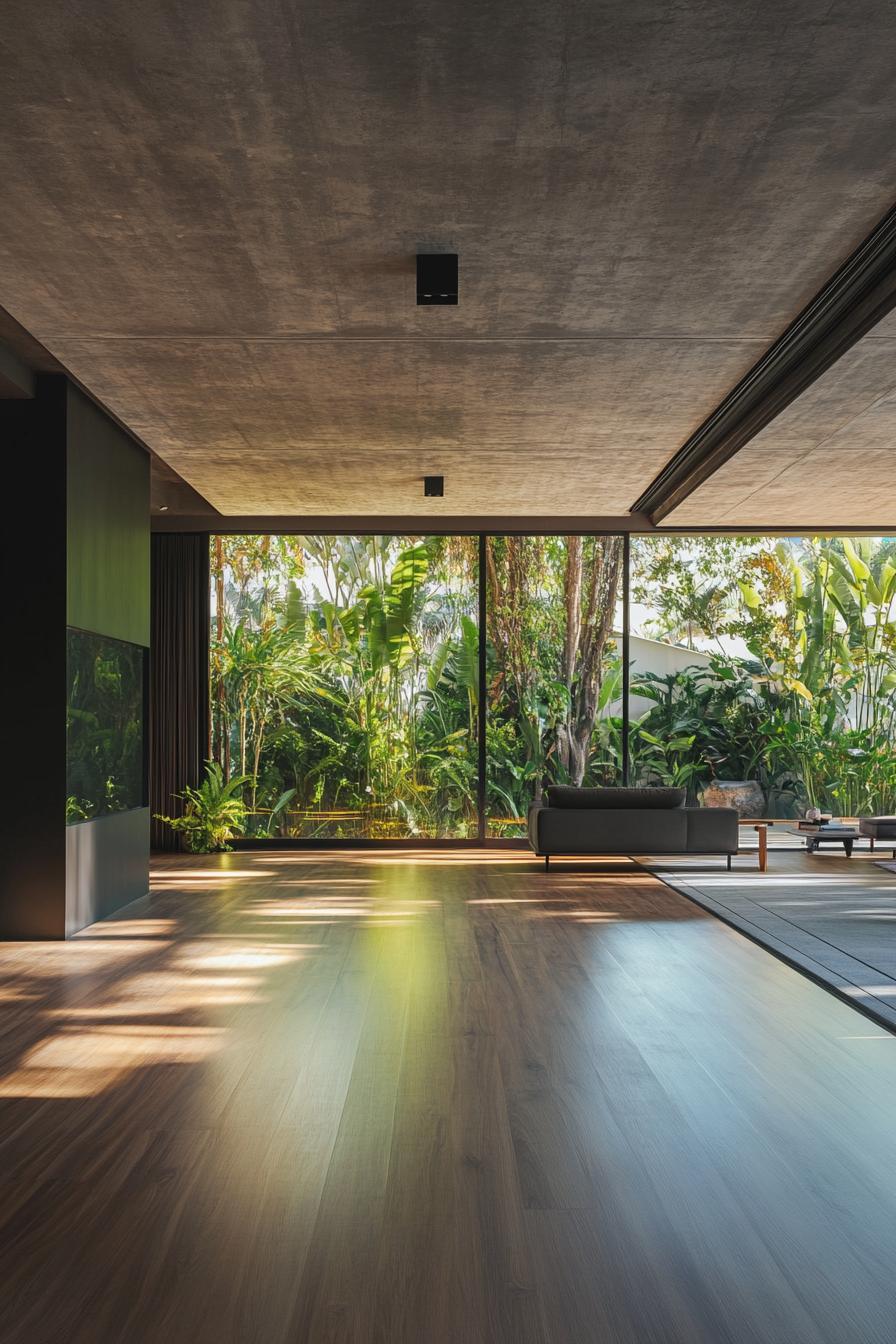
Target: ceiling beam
[(351, 525), (377, 525), (852, 302)]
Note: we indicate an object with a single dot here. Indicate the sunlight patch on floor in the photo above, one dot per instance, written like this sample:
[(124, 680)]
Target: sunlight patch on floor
[(79, 1062)]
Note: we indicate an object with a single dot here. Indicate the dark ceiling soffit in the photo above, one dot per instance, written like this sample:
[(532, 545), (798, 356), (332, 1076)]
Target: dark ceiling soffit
[(367, 525), (16, 379), (29, 351), (852, 302), (100, 405), (170, 493), (19, 342), (635, 524)]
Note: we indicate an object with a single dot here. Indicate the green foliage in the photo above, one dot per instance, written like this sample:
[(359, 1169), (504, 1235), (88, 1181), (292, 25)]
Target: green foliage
[(808, 707), (213, 814), (263, 825), (689, 585), (553, 668), (78, 809), (345, 675), (104, 726)]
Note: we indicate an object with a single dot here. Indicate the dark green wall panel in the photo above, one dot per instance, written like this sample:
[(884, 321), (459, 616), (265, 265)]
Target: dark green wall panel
[(108, 526)]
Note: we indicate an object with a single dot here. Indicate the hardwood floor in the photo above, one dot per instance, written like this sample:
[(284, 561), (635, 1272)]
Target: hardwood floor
[(440, 1096)]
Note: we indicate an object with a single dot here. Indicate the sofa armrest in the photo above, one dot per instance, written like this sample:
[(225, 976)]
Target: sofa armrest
[(535, 812), (713, 830)]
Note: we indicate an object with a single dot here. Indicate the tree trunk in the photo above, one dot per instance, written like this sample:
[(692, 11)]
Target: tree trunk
[(590, 599), (573, 602), (256, 764)]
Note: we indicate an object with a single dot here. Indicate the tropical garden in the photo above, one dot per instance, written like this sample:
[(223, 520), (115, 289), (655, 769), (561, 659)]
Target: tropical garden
[(796, 688), (345, 676), (344, 683)]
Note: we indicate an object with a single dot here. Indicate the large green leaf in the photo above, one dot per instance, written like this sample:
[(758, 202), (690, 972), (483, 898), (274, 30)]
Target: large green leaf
[(295, 612), (749, 595)]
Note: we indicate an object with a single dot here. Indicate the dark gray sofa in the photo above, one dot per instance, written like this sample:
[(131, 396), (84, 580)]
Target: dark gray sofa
[(628, 821)]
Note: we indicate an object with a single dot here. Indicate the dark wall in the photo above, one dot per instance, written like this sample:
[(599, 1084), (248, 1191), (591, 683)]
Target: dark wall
[(32, 670), (75, 552)]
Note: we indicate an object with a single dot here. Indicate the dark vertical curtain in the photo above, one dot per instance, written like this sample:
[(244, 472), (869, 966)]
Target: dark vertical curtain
[(178, 698)]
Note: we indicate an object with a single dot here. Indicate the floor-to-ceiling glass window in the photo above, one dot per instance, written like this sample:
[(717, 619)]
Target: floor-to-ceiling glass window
[(345, 689), (344, 683), (554, 669), (763, 670)]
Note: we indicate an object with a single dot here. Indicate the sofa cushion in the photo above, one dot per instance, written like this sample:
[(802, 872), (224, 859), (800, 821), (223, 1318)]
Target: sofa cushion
[(712, 830), (604, 830), (564, 795)]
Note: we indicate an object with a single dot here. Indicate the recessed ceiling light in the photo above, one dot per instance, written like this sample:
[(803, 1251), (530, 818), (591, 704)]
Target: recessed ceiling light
[(436, 278)]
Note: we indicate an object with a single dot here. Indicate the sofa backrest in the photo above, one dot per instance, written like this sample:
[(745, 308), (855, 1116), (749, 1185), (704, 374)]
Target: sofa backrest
[(605, 830), (564, 795)]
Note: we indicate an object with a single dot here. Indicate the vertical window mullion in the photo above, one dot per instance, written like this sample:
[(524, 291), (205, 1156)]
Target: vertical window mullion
[(626, 562), (483, 616)]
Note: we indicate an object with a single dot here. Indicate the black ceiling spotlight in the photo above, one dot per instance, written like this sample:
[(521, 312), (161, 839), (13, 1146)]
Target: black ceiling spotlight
[(436, 277), (434, 486)]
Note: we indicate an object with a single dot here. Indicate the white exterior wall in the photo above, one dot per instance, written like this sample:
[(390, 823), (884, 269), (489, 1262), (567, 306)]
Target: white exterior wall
[(651, 655)]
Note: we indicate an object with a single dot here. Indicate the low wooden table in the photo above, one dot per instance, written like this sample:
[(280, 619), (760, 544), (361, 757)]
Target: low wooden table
[(760, 826), (845, 835)]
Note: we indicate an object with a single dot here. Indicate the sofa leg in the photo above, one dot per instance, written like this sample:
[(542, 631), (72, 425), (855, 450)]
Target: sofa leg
[(547, 862), (729, 863)]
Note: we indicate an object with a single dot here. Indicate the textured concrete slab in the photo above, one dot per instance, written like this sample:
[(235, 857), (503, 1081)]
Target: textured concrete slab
[(211, 214), (824, 462)]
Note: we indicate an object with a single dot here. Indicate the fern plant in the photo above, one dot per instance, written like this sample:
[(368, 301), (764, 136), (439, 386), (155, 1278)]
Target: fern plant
[(213, 813)]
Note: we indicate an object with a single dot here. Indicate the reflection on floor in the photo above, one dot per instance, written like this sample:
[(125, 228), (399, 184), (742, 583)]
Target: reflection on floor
[(833, 916), (415, 1098)]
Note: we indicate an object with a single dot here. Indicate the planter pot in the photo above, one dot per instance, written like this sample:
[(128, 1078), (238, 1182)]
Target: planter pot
[(744, 794)]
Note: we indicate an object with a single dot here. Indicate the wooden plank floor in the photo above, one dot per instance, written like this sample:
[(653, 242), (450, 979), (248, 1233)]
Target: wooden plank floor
[(435, 1097)]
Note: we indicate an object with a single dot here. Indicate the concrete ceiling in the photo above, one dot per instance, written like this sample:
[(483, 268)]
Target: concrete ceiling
[(826, 461), (211, 211)]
